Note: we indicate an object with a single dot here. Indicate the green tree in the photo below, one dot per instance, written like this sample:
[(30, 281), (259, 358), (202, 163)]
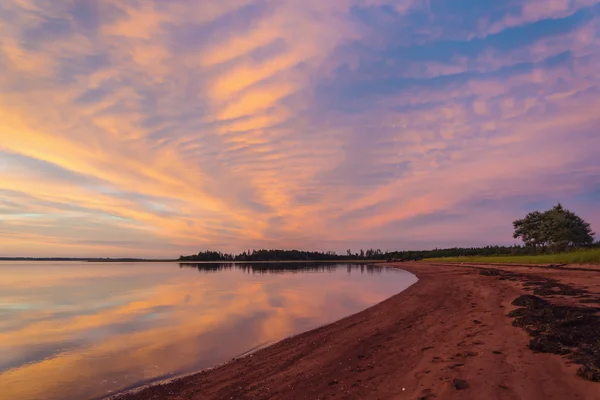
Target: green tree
[(557, 229), (531, 230), (566, 229)]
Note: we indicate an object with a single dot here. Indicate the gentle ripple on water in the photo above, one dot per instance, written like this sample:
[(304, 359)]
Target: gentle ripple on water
[(72, 330)]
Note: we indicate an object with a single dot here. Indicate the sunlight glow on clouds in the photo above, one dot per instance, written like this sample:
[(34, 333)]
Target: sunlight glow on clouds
[(151, 128)]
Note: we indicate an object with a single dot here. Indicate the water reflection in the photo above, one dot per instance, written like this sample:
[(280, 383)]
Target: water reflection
[(274, 268), (84, 330)]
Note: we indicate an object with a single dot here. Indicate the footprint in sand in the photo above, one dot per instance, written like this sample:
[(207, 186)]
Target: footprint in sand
[(427, 395), (421, 374)]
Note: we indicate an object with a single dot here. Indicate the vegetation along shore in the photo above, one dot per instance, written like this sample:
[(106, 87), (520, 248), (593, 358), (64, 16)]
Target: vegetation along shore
[(468, 330), (460, 332)]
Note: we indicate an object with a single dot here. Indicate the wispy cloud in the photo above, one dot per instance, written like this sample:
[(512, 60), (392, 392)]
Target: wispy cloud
[(163, 127)]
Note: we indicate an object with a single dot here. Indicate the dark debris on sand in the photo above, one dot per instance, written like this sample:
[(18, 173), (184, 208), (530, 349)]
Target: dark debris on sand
[(460, 384), (566, 330)]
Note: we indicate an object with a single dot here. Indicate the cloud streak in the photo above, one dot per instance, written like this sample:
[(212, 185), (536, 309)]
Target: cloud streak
[(153, 128)]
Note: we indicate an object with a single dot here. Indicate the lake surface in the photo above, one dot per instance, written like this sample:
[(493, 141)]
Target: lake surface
[(76, 330)]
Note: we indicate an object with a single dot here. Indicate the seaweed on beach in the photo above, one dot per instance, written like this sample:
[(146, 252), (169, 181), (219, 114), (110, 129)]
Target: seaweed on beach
[(540, 285), (490, 272), (565, 330), (551, 287), (572, 331)]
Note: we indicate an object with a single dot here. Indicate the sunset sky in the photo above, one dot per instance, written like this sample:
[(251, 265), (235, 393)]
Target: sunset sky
[(158, 128)]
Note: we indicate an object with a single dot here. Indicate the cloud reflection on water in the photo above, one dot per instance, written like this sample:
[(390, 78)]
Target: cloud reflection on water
[(139, 322)]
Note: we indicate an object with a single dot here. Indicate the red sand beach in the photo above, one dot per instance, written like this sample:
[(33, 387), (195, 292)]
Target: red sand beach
[(446, 337)]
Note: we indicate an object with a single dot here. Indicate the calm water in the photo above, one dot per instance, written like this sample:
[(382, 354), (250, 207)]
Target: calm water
[(86, 330)]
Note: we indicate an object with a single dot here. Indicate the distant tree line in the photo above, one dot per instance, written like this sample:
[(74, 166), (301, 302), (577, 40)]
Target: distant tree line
[(370, 254), (272, 255), (554, 230)]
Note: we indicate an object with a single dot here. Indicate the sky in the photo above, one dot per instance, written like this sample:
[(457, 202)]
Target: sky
[(150, 128)]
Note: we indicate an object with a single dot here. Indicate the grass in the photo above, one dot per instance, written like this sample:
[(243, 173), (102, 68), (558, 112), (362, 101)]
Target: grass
[(576, 257)]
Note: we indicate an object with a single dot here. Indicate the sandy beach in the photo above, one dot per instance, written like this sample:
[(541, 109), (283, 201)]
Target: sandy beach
[(449, 336)]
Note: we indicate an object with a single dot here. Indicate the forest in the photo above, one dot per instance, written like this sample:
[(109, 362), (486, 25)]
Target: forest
[(369, 254), (553, 231)]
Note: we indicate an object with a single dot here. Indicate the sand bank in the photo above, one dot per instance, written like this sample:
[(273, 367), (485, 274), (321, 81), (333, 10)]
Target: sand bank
[(448, 336)]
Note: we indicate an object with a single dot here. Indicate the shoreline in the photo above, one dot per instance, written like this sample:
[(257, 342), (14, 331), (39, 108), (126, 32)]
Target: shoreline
[(166, 381), (450, 326)]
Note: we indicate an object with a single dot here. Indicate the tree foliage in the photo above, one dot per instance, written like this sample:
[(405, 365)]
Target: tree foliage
[(369, 254), (286, 255), (557, 229)]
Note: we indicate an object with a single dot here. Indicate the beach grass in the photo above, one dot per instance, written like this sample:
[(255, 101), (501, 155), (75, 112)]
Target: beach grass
[(575, 257)]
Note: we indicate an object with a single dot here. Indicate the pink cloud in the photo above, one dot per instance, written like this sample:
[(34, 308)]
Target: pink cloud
[(284, 124)]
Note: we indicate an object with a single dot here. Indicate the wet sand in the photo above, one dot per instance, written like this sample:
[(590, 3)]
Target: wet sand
[(446, 337)]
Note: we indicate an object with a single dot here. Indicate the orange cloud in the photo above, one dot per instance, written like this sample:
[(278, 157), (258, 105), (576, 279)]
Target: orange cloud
[(237, 124)]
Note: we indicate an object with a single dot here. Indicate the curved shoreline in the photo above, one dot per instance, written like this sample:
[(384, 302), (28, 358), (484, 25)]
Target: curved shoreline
[(451, 324), (123, 394)]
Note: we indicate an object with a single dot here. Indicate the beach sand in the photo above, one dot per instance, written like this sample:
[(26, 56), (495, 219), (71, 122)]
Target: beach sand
[(446, 337)]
